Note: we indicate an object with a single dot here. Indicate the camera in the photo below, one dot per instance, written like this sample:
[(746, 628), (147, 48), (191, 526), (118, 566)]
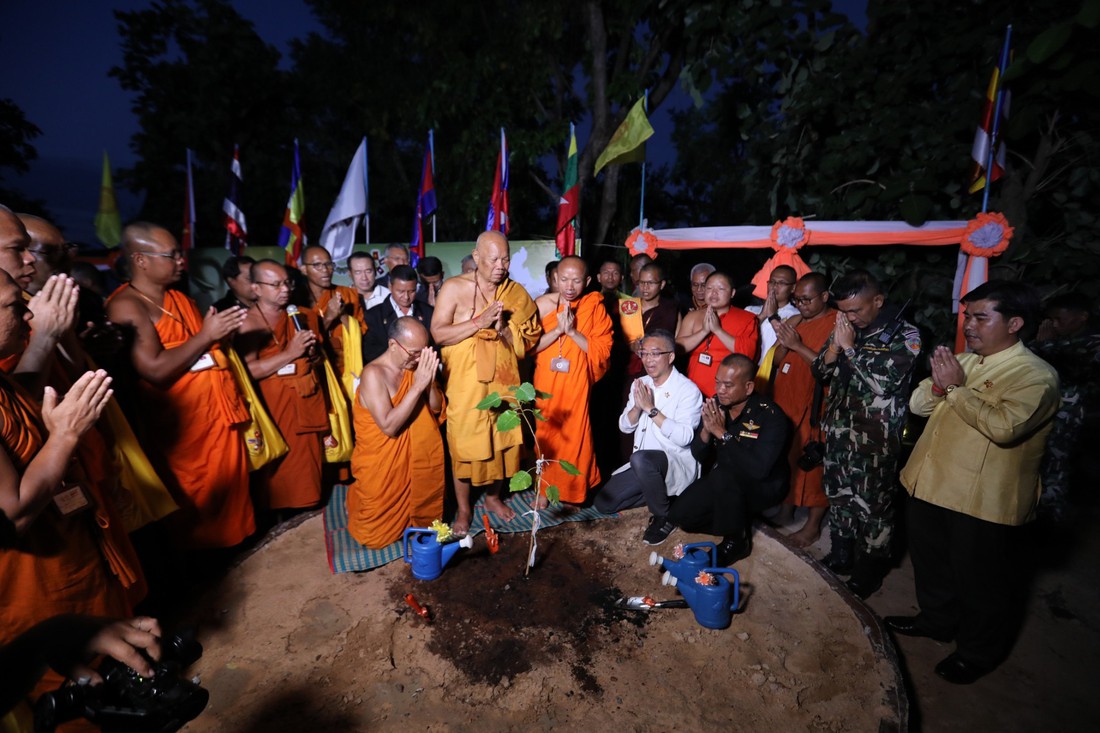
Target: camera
[(126, 702), (813, 455)]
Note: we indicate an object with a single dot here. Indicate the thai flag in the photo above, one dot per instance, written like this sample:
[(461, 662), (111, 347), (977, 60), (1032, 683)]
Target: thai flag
[(236, 229), (498, 219), (425, 202)]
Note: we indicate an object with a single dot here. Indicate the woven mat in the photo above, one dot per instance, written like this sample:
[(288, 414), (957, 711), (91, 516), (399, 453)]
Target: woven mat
[(345, 555)]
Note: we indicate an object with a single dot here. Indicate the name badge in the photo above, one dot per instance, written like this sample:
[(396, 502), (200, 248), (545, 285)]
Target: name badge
[(204, 362), (559, 364), (72, 498), (747, 434), (705, 359), (786, 367), (287, 371)]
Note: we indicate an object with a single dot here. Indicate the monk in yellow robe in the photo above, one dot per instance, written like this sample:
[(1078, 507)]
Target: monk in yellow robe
[(195, 414), (573, 354), (800, 340), (286, 364), (484, 323), (398, 460)]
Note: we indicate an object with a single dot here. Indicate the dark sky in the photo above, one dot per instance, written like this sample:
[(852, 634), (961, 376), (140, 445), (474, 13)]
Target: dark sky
[(55, 55)]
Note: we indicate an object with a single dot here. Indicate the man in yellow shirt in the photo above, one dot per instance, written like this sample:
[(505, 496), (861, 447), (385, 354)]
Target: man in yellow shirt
[(974, 477)]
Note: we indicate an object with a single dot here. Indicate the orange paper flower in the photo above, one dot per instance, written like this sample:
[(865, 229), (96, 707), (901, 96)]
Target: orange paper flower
[(642, 242), (986, 235), (790, 234)]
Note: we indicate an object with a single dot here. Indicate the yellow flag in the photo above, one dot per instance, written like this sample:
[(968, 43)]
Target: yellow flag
[(108, 224), (627, 144)]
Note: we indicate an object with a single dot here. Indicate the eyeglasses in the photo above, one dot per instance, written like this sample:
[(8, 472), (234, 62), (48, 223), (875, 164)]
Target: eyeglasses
[(412, 354), (651, 354), (321, 265), (281, 284), (810, 299), (173, 255)]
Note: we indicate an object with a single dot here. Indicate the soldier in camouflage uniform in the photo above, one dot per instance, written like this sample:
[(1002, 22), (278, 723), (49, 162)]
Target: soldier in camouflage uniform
[(1066, 342), (867, 362)]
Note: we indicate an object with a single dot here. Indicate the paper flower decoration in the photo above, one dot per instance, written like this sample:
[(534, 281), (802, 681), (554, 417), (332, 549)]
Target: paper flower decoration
[(789, 234), (642, 242), (986, 235)]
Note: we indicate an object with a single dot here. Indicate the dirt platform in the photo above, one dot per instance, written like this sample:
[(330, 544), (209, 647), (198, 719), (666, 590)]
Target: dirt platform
[(290, 647)]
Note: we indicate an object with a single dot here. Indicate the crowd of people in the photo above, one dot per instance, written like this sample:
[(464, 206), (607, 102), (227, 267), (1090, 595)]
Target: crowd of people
[(203, 427)]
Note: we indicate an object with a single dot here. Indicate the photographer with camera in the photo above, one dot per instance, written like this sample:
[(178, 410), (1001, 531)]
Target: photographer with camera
[(800, 396), (743, 440)]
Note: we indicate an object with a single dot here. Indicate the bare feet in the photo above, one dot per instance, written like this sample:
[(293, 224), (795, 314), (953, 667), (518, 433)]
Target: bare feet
[(784, 516), (805, 536), (461, 526), (499, 508), (541, 502)]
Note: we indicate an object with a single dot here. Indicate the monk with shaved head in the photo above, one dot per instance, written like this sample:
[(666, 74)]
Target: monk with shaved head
[(484, 323), (337, 306), (573, 354), (398, 461)]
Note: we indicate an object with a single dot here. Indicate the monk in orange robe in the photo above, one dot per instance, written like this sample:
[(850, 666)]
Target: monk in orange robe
[(710, 334), (398, 460), (800, 340), (573, 354), (335, 305), (195, 414), (484, 323), (286, 362)]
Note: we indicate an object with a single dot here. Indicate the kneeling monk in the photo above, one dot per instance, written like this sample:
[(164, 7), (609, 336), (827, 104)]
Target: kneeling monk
[(398, 460)]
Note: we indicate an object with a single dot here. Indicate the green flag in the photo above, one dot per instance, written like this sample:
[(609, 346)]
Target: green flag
[(627, 144), (108, 224)]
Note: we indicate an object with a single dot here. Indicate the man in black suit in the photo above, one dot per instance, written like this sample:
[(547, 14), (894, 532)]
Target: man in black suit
[(401, 302)]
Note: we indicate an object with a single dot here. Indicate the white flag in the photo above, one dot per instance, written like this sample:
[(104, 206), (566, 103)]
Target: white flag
[(349, 209)]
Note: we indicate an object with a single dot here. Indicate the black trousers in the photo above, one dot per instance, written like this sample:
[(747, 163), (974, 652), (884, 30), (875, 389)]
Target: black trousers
[(723, 504), (963, 570), (642, 483)]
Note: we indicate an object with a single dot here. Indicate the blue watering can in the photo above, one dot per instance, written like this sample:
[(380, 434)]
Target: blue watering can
[(711, 604), (428, 557), (697, 556)]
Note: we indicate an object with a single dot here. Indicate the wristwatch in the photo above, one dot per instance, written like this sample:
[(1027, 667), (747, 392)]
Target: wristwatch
[(850, 352), (950, 388), (726, 437), (653, 413)]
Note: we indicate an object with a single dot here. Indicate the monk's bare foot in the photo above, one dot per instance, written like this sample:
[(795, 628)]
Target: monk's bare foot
[(499, 508), (784, 517), (564, 508), (461, 526), (541, 502), (805, 536)]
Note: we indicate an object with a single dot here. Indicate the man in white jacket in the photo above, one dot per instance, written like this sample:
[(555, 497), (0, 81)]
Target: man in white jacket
[(662, 411)]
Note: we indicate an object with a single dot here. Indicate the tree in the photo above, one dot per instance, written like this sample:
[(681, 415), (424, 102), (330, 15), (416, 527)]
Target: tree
[(16, 154)]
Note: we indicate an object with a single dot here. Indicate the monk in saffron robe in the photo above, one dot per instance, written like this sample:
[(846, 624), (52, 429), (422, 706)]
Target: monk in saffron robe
[(286, 363), (398, 460), (573, 354), (195, 414), (484, 323), (336, 305), (800, 340), (710, 334)]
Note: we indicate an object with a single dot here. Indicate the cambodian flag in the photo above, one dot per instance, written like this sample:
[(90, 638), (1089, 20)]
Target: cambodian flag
[(498, 203), (425, 202)]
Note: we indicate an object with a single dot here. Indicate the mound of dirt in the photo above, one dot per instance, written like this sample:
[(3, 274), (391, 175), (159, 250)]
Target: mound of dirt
[(291, 647)]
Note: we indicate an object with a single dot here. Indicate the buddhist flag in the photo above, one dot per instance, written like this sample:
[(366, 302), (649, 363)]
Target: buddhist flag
[(498, 220), (292, 236), (350, 208), (236, 228), (983, 136), (425, 202), (187, 241), (108, 224), (570, 202), (627, 144)]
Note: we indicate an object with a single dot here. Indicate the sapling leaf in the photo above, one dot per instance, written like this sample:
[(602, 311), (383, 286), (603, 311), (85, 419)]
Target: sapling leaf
[(508, 420), (569, 468), (553, 495), (542, 395), (525, 392), (490, 401), (537, 413), (519, 481)]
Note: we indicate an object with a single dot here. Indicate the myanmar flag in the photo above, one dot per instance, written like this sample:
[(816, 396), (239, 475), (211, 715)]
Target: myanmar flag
[(570, 202)]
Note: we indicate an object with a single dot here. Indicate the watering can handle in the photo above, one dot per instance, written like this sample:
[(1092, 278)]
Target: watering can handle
[(736, 584), (405, 543)]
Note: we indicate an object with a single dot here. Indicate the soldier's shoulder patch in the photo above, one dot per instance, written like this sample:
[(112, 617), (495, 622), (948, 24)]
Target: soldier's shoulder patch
[(912, 340)]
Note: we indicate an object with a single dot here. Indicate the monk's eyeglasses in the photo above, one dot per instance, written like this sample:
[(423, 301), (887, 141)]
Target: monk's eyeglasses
[(281, 284), (412, 354), (810, 299), (173, 255), (321, 265)]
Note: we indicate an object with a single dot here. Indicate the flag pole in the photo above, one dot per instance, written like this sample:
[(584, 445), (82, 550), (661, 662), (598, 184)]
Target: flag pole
[(431, 155), (641, 205), (998, 104)]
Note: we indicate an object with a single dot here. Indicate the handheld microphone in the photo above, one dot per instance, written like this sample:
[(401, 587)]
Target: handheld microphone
[(296, 317)]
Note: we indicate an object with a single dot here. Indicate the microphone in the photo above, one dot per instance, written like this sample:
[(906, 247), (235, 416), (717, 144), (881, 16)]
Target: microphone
[(296, 318)]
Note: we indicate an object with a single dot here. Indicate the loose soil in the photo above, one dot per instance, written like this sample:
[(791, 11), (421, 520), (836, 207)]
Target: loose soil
[(290, 647)]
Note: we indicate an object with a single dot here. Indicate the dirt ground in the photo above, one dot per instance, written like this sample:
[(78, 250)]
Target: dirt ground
[(290, 647)]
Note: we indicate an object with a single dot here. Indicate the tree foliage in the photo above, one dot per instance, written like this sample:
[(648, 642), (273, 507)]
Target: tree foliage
[(16, 153)]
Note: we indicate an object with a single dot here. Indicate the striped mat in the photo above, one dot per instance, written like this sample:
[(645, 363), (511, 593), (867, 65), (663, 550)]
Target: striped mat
[(345, 555)]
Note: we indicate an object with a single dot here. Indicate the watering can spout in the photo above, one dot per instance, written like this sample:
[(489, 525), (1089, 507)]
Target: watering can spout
[(451, 548)]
